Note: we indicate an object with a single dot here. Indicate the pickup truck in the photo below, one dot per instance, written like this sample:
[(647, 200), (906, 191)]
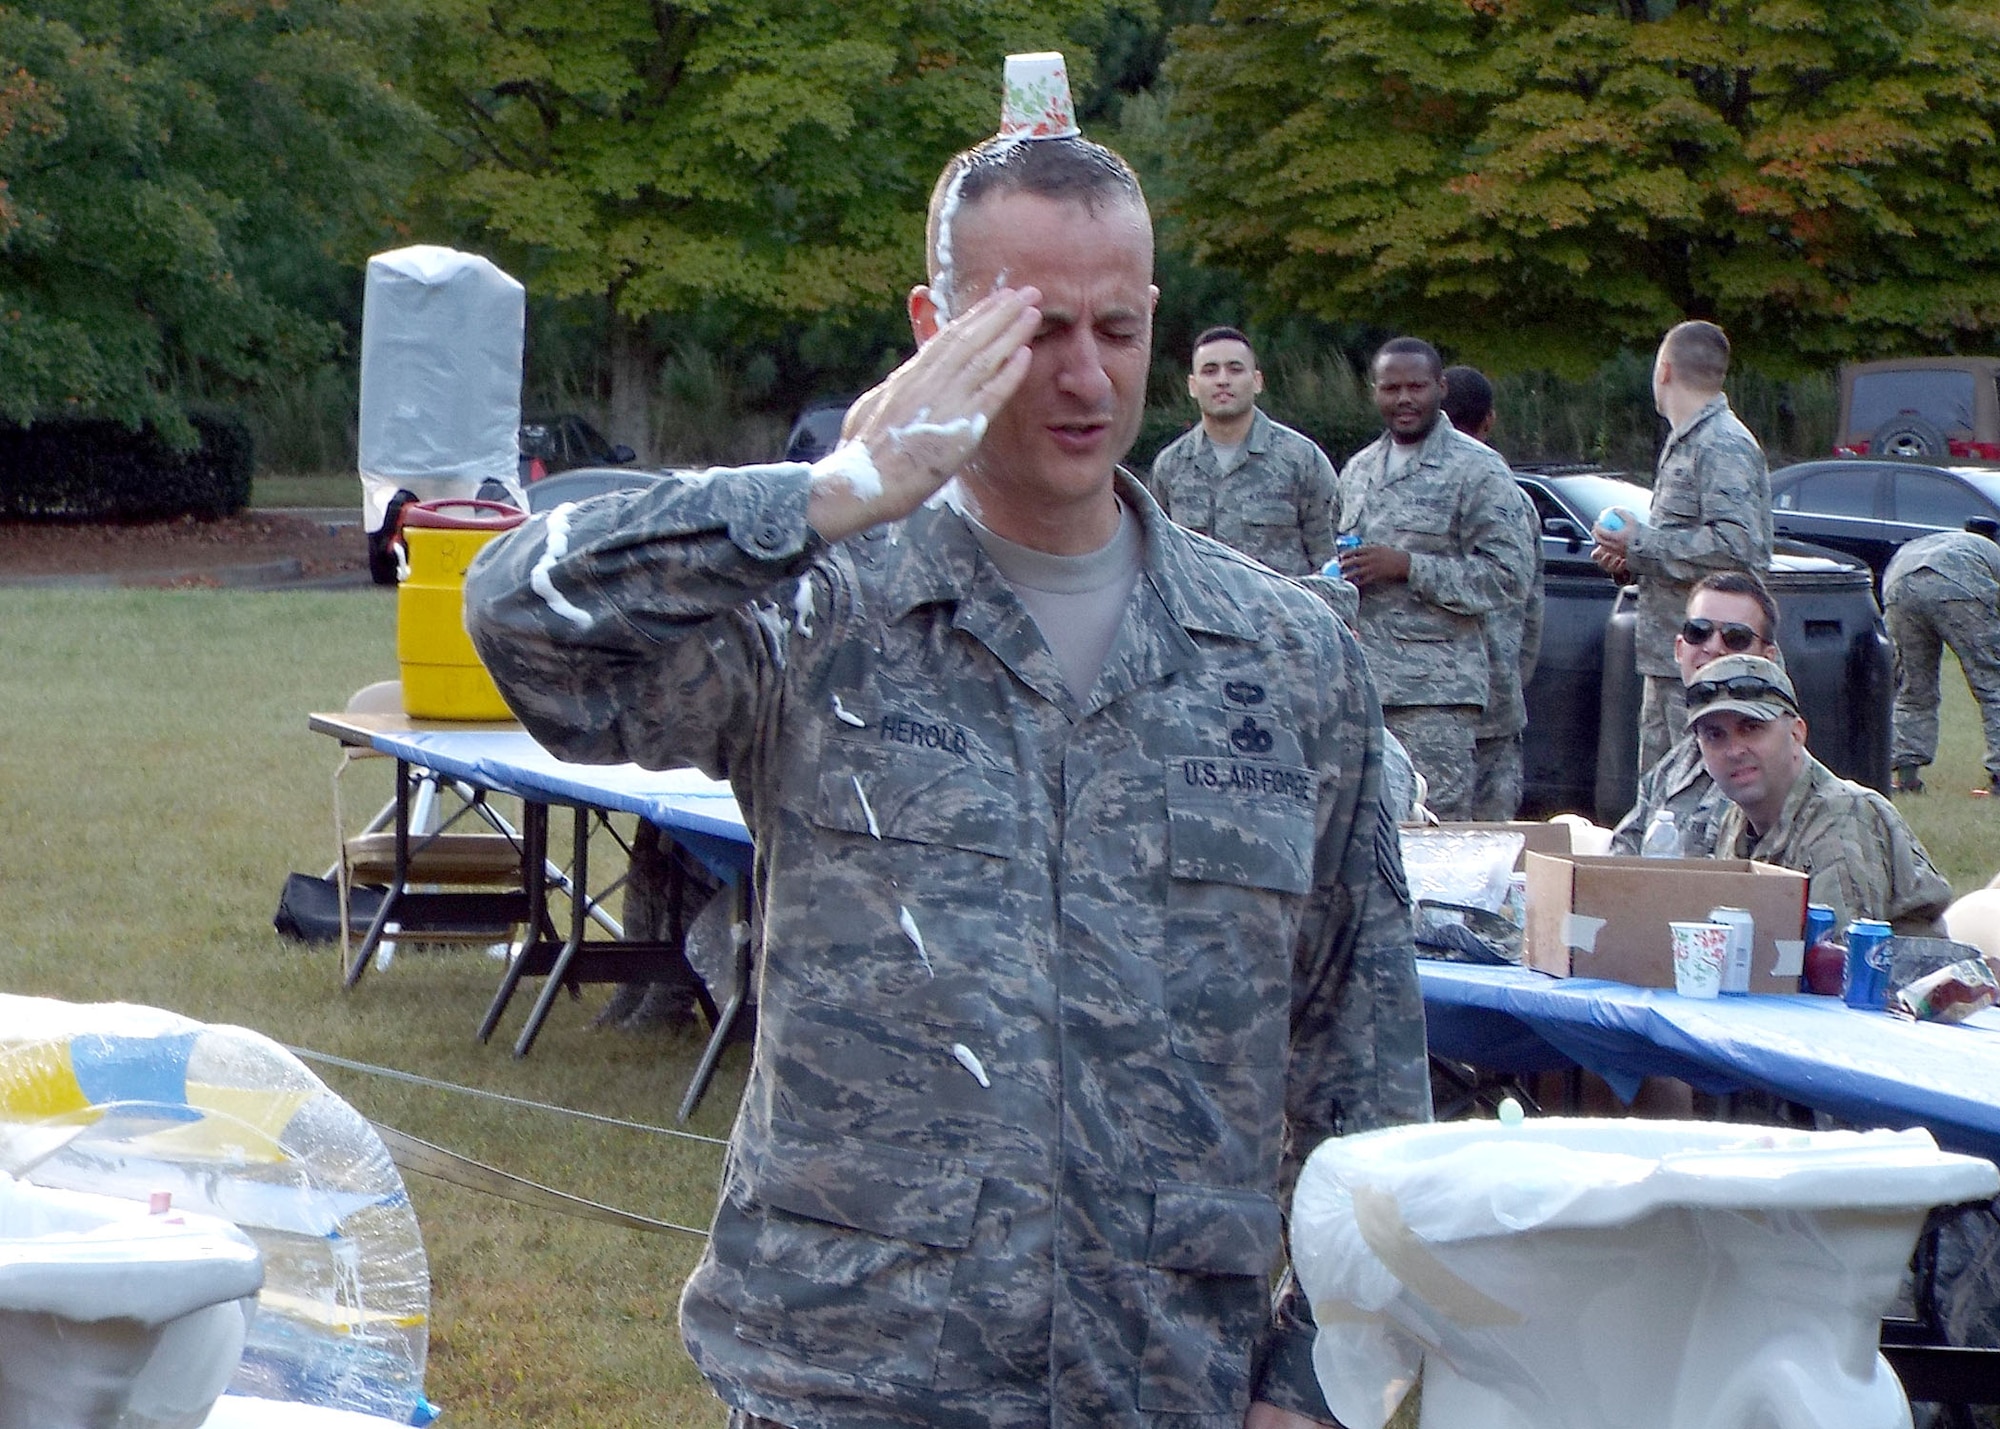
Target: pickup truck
[(1581, 744)]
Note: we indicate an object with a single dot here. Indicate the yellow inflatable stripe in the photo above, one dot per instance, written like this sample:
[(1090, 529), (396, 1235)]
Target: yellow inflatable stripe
[(36, 1081), (336, 1317), (245, 1125)]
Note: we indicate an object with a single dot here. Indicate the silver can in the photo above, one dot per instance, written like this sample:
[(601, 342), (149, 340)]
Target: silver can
[(1742, 937)]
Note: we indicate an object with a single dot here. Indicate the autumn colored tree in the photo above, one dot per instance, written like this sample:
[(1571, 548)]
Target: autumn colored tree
[(1539, 182), (165, 167), (774, 155)]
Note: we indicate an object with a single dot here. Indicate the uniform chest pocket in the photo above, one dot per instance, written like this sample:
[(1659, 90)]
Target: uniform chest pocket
[(1425, 526), (912, 853), (1268, 513), (1240, 859), (918, 797)]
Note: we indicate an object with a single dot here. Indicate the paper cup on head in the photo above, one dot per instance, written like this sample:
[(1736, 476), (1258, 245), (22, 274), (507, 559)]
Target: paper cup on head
[(1036, 104), (1700, 949)]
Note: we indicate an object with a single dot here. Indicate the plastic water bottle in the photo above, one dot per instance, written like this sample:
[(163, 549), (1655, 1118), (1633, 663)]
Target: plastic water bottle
[(1663, 837)]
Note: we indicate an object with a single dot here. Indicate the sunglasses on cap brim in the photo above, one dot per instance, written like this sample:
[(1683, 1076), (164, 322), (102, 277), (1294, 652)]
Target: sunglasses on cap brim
[(1742, 687), (1736, 637)]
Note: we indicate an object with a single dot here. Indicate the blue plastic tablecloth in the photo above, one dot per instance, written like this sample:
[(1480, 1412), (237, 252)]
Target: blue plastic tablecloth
[(1865, 1067), (700, 811)]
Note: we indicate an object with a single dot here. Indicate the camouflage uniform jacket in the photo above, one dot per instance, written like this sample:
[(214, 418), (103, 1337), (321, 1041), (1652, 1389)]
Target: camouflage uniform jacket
[(1453, 509), (1859, 857), (1964, 560), (1514, 641), (1055, 996), (1679, 782), (1711, 512), (1275, 505)]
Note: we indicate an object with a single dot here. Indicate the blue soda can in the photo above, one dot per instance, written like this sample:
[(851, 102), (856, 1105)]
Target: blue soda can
[(1346, 541), (1819, 922), (1869, 951)]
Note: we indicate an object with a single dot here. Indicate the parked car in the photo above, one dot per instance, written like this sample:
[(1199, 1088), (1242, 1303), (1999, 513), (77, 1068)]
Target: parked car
[(550, 444), (816, 430), (1922, 407), (1868, 508), (1580, 751)]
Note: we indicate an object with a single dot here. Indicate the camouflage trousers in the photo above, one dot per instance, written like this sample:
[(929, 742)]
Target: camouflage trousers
[(1927, 614), (1497, 778), (1439, 739), (1662, 718)]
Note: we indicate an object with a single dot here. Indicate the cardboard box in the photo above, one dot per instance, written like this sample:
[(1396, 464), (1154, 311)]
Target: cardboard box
[(1607, 917), (1540, 837)]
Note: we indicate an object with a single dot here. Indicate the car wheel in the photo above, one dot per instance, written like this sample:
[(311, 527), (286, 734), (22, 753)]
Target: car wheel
[(1907, 436)]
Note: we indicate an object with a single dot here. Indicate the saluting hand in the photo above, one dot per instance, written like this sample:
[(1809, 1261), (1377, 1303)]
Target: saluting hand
[(904, 439)]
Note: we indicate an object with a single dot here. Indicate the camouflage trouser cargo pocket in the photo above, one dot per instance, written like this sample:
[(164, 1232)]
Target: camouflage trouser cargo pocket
[(851, 1253), (1208, 1263)]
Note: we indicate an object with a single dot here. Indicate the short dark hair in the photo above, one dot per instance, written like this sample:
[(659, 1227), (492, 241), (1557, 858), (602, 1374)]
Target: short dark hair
[(1700, 351), (1222, 334), (1468, 397), (1408, 347), (1746, 584), (1074, 169)]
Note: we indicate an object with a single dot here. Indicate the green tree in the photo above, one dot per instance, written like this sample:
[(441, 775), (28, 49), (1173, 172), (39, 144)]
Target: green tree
[(1537, 182), (774, 156), (168, 171)]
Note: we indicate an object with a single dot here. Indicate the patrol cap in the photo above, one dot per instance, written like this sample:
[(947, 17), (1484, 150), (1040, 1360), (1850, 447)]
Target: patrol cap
[(1741, 684)]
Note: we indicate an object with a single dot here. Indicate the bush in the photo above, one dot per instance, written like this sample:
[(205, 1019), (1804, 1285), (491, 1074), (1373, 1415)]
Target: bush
[(86, 469)]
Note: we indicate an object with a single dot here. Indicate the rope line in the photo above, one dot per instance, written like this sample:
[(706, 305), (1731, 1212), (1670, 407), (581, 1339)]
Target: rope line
[(415, 1155), (328, 1059)]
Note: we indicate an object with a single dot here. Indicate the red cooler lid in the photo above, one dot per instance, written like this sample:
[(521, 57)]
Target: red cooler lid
[(463, 513)]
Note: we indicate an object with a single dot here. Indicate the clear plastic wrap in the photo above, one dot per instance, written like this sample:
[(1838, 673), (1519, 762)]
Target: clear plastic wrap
[(1573, 1273), (133, 1101), (441, 344)]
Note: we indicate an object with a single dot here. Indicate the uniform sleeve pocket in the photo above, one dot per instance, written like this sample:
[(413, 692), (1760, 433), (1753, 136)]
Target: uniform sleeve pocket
[(1210, 1252)]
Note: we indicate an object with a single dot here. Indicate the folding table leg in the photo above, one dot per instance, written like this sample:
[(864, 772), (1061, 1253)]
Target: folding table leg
[(534, 872), (579, 916), (373, 937)]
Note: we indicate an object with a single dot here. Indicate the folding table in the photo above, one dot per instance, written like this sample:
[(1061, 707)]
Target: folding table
[(698, 812)]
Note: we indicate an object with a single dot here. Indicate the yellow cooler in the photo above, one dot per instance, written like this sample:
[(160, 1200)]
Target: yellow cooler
[(442, 676)]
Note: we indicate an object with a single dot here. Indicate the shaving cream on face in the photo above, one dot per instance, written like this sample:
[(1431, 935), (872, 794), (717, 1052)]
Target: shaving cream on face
[(555, 545), (850, 466)]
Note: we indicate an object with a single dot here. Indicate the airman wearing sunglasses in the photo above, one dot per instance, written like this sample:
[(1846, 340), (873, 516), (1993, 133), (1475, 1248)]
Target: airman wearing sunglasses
[(1730, 613), (1788, 809)]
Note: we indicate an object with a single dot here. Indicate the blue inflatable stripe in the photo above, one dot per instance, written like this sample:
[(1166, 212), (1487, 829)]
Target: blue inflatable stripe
[(133, 1069)]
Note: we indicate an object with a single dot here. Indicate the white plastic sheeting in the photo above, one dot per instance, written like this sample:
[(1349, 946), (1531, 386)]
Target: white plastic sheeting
[(133, 1101), (1573, 1273), (441, 342)]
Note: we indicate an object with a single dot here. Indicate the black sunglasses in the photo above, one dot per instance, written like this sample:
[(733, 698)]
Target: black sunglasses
[(1742, 687), (1736, 638)]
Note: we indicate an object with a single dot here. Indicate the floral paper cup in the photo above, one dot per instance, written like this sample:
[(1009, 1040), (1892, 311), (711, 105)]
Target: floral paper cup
[(1700, 949), (1037, 103)]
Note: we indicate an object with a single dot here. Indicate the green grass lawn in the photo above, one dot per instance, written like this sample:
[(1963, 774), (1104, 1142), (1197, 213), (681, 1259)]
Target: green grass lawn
[(157, 785), (159, 782)]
